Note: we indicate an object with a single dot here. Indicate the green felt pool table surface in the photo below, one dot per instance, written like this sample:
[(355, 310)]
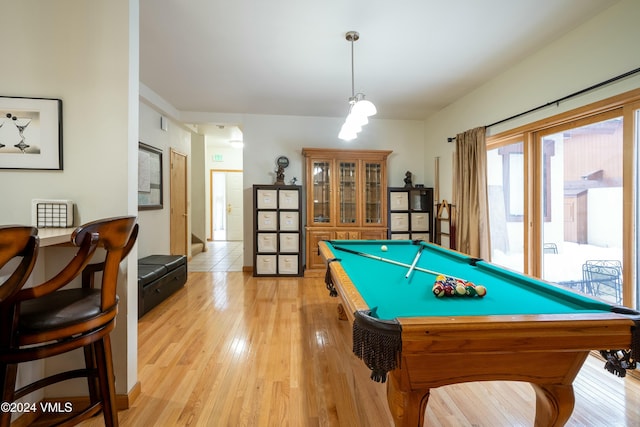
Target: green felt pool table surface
[(524, 329), (385, 288)]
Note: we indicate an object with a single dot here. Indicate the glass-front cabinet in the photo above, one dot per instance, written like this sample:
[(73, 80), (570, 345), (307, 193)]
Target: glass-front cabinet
[(346, 197), (373, 193), (347, 192), (320, 182)]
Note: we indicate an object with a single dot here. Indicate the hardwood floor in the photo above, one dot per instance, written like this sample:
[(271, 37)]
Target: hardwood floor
[(233, 350)]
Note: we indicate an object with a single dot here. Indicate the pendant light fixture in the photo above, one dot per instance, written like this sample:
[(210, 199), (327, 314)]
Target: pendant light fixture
[(360, 109)]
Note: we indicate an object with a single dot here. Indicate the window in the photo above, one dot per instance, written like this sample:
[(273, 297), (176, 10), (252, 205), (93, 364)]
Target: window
[(562, 198), (505, 181), (584, 200)]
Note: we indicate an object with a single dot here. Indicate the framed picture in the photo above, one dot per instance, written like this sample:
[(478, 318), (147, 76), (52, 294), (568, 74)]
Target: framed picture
[(30, 133), (149, 177)]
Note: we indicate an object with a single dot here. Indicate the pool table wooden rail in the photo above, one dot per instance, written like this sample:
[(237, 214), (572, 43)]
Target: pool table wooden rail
[(545, 350)]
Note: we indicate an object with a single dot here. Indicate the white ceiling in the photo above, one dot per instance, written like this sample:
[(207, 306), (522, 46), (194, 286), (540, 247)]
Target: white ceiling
[(290, 57)]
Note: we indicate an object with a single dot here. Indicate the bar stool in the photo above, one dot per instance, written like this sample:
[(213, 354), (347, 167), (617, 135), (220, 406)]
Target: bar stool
[(47, 320), (17, 242)]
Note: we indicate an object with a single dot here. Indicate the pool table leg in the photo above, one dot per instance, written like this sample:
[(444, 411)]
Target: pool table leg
[(554, 404), (407, 408), (342, 313)]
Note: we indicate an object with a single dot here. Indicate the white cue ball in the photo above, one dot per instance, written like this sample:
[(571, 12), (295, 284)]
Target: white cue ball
[(383, 248)]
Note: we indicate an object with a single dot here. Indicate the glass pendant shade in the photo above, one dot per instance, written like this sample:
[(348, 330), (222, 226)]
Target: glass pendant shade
[(364, 107), (347, 134), (360, 109), (356, 120)]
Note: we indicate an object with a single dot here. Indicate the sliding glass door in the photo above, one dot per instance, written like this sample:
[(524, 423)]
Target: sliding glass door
[(505, 181), (581, 205), (563, 199)]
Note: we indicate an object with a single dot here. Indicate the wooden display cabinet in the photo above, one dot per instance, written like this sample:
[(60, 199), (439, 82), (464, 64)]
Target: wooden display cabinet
[(346, 197)]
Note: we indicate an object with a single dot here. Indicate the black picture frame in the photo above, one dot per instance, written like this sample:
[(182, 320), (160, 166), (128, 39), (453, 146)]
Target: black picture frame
[(150, 186), (30, 133)]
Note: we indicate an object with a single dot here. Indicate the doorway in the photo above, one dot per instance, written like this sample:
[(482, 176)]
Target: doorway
[(179, 211), (226, 205)]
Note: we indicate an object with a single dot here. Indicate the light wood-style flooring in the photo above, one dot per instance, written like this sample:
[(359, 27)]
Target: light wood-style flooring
[(233, 350)]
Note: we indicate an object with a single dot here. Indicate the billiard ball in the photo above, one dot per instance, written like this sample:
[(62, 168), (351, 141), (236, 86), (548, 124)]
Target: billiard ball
[(383, 248), (438, 291), (481, 291), (449, 291), (470, 291), (460, 290)]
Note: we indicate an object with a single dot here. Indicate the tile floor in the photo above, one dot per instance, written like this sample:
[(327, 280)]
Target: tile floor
[(219, 256)]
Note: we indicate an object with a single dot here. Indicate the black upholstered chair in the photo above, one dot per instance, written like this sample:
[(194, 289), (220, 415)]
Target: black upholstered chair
[(51, 318)]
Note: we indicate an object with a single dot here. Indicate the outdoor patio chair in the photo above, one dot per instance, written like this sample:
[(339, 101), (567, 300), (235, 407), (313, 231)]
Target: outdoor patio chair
[(603, 278)]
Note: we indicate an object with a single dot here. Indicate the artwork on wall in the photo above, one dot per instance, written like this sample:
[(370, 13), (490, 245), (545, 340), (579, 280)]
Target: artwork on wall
[(30, 133), (149, 177)]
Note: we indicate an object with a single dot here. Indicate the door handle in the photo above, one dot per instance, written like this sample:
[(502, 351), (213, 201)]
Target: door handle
[(229, 208)]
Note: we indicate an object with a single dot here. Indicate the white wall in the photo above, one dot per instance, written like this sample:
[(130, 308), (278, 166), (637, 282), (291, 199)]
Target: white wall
[(154, 224), (84, 53), (198, 187), (603, 47), (268, 137)]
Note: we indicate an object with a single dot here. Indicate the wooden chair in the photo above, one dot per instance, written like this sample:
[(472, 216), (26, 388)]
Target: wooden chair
[(17, 242), (47, 320)]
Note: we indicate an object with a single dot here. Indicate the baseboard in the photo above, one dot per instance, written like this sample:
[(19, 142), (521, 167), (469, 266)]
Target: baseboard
[(247, 268), (123, 401), (315, 273)]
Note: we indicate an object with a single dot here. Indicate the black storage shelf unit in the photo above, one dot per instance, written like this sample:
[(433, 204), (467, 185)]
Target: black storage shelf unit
[(410, 213), (277, 225)]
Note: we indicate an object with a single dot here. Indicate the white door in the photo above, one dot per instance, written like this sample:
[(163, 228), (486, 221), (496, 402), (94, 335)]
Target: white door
[(234, 206)]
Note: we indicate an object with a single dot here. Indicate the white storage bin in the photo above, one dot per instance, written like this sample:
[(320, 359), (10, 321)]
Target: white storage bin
[(267, 220), (399, 222), (266, 264), (267, 242), (289, 242), (267, 199), (398, 201), (288, 264), (288, 199), (289, 221)]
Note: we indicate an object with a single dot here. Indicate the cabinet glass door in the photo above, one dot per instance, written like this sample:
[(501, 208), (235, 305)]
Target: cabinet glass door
[(321, 191), (373, 193), (347, 192)]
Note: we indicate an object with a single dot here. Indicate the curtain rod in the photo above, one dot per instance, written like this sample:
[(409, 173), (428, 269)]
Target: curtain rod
[(564, 98)]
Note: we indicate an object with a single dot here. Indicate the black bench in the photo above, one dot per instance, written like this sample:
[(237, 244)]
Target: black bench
[(158, 277)]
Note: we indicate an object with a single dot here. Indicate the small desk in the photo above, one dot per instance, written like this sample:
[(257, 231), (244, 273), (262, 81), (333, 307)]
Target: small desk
[(524, 329), (54, 236)]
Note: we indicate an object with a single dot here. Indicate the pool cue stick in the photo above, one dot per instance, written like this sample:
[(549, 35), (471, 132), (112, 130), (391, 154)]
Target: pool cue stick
[(436, 187), (415, 261), (452, 218), (390, 261)]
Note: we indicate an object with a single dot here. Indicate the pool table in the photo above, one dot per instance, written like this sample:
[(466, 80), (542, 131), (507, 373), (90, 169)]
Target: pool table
[(523, 329)]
